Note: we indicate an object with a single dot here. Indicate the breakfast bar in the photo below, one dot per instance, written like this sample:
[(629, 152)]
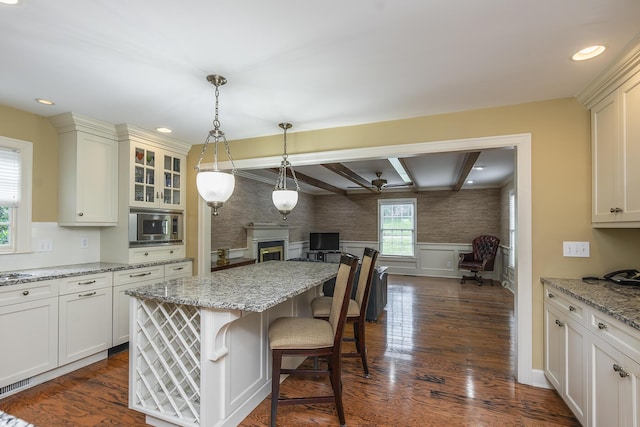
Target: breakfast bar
[(199, 353)]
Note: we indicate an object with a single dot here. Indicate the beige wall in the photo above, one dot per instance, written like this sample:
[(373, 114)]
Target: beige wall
[(25, 126), (561, 180)]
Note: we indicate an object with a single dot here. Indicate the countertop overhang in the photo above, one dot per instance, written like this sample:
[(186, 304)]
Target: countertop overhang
[(253, 288), (622, 302)]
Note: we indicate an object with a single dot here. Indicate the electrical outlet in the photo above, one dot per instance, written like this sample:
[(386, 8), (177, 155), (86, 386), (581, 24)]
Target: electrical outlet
[(84, 242), (575, 249)]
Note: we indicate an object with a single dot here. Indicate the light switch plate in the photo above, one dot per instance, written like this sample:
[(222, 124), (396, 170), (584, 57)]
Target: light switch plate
[(575, 249)]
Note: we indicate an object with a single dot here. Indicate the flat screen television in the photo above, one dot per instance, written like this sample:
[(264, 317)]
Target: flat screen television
[(324, 241)]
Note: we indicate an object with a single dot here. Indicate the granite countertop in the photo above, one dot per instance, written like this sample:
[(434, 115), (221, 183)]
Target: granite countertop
[(622, 302), (254, 288), (62, 271)]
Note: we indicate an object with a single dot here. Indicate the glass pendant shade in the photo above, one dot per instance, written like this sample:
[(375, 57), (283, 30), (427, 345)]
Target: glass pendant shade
[(215, 188), (285, 200)]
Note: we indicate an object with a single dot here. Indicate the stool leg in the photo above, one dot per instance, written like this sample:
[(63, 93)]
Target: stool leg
[(275, 384)]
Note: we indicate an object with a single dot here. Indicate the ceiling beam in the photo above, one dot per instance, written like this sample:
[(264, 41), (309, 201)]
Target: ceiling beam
[(469, 161), (312, 181), (347, 173), (413, 186)]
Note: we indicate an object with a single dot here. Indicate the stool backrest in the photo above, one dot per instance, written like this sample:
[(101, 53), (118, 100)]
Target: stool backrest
[(341, 295), (366, 277)]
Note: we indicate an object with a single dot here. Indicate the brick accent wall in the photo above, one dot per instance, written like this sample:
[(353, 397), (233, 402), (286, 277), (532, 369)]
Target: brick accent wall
[(443, 216)]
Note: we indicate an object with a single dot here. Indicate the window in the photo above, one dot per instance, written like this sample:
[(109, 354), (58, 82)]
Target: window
[(397, 227), (15, 195), (512, 229)]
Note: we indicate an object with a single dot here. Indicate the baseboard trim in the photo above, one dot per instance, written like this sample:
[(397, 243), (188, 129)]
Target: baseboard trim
[(539, 380)]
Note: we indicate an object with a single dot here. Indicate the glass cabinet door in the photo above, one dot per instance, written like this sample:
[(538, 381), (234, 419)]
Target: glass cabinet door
[(144, 175), (172, 180)]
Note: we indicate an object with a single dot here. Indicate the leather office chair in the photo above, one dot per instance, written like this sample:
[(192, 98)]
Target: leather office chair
[(357, 310), (482, 257), (304, 336)]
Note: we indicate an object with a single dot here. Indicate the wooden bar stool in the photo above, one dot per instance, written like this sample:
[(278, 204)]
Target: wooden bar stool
[(304, 336), (357, 310)]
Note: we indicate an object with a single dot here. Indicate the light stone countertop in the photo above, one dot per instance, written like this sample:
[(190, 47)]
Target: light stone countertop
[(71, 270), (254, 288), (622, 302)]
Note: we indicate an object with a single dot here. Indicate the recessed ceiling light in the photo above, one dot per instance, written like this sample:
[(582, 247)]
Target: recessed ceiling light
[(588, 53), (470, 181), (9, 1), (164, 130), (478, 168), (44, 101)]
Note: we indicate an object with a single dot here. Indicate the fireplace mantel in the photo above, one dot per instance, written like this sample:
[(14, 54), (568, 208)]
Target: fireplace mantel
[(263, 233)]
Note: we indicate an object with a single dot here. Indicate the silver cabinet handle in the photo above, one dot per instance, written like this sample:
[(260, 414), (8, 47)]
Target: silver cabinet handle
[(620, 371), (146, 254), (178, 268), (559, 322), (601, 326), (551, 295), (572, 308), (80, 213), (88, 294), (90, 282), (25, 293), (140, 274), (615, 210)]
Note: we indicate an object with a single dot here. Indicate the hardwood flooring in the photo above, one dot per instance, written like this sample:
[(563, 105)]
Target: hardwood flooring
[(441, 354)]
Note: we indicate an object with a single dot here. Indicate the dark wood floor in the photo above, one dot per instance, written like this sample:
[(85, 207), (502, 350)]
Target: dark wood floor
[(441, 354)]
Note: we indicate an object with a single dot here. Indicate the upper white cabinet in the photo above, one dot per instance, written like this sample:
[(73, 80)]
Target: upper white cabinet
[(156, 169), (87, 171), (615, 133)]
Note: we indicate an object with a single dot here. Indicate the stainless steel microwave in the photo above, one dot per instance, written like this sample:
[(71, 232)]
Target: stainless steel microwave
[(155, 227)]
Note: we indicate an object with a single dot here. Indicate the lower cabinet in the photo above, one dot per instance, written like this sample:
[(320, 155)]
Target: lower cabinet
[(566, 353), (592, 360), (85, 312), (28, 330)]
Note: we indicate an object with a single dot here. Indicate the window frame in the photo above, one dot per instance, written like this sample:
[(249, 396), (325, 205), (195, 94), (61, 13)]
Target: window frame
[(414, 230), (20, 216)]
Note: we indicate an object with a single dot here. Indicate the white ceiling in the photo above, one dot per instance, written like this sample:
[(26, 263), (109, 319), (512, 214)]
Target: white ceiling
[(314, 64)]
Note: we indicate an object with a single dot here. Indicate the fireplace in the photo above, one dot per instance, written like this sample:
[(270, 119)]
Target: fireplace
[(266, 242), (271, 251)]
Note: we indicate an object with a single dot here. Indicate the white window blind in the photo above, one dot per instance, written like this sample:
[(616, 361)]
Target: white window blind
[(9, 177)]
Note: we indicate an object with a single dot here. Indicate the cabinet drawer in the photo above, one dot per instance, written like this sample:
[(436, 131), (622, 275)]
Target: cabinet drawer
[(31, 291), (178, 269), (135, 275), (566, 305), (617, 334), (156, 253), (85, 283)]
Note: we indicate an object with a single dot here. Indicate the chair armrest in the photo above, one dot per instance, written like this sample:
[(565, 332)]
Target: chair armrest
[(465, 257)]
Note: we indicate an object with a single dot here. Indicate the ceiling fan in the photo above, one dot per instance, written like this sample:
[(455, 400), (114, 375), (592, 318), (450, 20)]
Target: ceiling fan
[(379, 183)]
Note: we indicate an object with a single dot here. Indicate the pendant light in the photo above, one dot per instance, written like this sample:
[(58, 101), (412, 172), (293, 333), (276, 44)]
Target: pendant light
[(285, 200), (215, 186)]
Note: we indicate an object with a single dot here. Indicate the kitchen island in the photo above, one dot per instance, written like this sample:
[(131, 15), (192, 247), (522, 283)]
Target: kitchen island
[(199, 353)]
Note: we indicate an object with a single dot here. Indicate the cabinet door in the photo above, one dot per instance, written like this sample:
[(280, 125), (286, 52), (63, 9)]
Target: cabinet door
[(29, 337), (554, 348), (629, 95), (172, 181), (88, 180), (145, 190), (605, 167), (85, 324), (576, 364), (607, 387)]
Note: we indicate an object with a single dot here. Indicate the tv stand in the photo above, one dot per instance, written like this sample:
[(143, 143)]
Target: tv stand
[(325, 256)]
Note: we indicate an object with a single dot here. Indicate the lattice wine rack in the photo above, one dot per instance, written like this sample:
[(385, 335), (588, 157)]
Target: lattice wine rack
[(168, 373)]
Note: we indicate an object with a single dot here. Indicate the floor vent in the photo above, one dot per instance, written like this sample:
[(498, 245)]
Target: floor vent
[(13, 387)]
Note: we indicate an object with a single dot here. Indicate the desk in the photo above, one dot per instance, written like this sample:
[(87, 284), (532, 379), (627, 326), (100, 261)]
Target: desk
[(199, 352)]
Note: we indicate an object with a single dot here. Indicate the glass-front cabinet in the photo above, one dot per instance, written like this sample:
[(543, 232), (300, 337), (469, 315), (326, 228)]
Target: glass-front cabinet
[(158, 177)]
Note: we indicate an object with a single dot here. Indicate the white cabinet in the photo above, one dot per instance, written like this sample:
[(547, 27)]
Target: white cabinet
[(85, 316), (133, 278), (28, 330), (158, 177), (155, 253), (87, 171), (566, 351), (615, 131)]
